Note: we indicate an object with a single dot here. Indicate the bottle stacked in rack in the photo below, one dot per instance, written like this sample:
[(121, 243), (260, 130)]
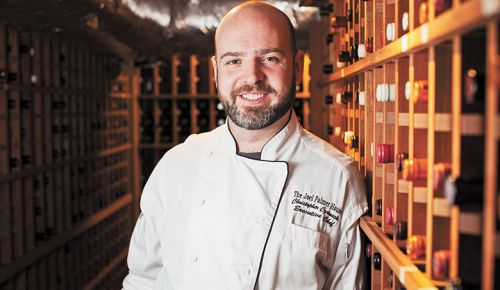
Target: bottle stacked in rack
[(420, 91), (66, 158)]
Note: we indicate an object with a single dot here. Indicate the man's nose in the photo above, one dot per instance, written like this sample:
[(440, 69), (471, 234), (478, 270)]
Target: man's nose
[(254, 73)]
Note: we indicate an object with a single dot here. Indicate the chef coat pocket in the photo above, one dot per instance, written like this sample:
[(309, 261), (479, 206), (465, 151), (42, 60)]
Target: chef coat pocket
[(306, 237)]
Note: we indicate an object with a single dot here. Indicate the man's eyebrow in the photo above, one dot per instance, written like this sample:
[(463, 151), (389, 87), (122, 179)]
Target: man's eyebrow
[(272, 49), (232, 53)]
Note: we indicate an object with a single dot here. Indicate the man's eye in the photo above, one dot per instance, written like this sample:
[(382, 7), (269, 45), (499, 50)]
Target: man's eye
[(233, 61), (271, 58)]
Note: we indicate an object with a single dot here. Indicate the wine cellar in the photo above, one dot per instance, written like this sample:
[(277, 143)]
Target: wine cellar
[(408, 88)]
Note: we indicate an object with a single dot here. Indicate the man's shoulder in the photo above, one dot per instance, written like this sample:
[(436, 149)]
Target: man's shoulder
[(324, 153), (194, 146)]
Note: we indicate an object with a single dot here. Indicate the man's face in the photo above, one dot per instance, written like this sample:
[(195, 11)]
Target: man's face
[(255, 71)]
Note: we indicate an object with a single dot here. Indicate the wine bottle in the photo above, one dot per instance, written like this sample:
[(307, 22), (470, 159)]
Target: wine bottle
[(464, 192), (415, 246), (385, 92), (377, 261), (423, 13), (400, 158), (390, 32), (401, 230), (327, 68), (405, 21), (441, 264), (414, 169), (385, 153), (338, 22), (389, 215), (440, 172)]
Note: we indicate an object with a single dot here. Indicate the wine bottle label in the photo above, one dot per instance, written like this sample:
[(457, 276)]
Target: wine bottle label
[(361, 51), (361, 98), (338, 131), (338, 98), (348, 136)]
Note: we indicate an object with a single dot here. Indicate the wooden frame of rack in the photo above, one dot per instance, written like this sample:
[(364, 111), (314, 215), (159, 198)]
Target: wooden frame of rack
[(432, 52)]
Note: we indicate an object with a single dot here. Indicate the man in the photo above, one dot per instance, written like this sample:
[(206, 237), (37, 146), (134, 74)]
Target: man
[(258, 203)]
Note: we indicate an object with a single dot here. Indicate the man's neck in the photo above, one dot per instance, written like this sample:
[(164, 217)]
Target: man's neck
[(254, 140)]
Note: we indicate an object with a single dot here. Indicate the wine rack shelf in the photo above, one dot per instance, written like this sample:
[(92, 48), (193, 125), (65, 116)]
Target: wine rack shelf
[(65, 163), (417, 86)]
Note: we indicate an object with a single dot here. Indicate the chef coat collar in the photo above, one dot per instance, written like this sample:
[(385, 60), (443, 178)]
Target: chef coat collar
[(274, 149)]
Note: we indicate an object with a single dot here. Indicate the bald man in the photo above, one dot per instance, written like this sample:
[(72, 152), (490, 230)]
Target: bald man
[(258, 203)]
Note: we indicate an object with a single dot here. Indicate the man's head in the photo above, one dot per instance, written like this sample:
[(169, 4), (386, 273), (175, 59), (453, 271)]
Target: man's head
[(256, 64)]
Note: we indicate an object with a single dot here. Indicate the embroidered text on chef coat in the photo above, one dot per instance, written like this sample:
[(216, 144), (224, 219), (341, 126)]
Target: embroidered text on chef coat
[(316, 206)]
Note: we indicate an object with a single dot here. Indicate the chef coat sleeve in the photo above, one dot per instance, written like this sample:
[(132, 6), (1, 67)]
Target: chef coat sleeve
[(144, 258), (348, 267)]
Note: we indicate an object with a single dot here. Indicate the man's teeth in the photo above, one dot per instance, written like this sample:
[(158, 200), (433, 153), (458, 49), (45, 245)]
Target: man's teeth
[(252, 97)]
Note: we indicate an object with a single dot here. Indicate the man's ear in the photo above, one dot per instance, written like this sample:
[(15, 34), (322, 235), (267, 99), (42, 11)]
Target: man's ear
[(214, 66), (299, 66)]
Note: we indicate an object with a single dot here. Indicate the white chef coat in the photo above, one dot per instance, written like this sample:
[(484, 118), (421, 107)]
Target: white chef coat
[(214, 220)]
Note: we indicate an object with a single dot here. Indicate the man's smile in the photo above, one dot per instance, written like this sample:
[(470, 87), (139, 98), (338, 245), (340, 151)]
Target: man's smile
[(253, 96)]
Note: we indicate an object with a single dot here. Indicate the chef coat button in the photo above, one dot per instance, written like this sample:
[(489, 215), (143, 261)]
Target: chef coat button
[(259, 219), (202, 202), (248, 271), (195, 259)]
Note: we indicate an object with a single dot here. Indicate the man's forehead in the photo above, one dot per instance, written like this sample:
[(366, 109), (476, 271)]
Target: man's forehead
[(252, 25)]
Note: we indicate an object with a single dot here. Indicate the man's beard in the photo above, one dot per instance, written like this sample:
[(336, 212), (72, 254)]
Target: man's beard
[(255, 118)]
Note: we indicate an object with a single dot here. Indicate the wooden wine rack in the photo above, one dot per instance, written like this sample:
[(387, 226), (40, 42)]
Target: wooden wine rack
[(447, 128), (65, 163), (177, 97)]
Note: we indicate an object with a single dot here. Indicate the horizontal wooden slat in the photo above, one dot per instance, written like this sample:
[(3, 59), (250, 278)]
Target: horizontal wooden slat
[(420, 194), (471, 223), (403, 186), (472, 125), (441, 207), (443, 122), (420, 120), (389, 178), (389, 118)]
